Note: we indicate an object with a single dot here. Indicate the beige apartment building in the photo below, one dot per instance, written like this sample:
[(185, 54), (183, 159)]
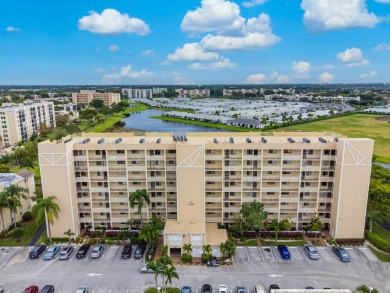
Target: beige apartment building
[(202, 179), (23, 179), (86, 97), (20, 121)]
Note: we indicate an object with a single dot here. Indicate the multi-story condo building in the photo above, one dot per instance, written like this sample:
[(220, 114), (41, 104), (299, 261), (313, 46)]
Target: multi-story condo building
[(138, 93), (24, 179), (86, 97), (231, 91), (20, 121), (193, 93), (159, 90), (197, 181)]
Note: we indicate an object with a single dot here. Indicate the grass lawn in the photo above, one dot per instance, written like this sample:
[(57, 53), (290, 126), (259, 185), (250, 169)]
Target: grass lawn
[(287, 243), (382, 256), (30, 228), (173, 109), (36, 170), (382, 232), (250, 242), (357, 125)]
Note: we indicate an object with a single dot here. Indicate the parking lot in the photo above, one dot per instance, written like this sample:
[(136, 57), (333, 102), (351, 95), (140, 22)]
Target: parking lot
[(253, 265)]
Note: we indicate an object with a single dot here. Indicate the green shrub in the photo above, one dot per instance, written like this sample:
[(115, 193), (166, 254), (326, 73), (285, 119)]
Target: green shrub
[(169, 290), (12, 226), (136, 240), (27, 216), (110, 242), (205, 257), (378, 242), (92, 241), (186, 257)]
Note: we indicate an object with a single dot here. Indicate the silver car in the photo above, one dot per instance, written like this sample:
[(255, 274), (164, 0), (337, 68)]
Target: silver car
[(97, 251), (82, 289), (311, 251), (66, 252)]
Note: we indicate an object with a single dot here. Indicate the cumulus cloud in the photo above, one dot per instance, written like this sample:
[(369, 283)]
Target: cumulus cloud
[(126, 72), (253, 3), (352, 57), (147, 53), (261, 78), (326, 77), (382, 46), (301, 69), (111, 21), (321, 15), (12, 29), (192, 52), (215, 66), (372, 73), (114, 48), (180, 80)]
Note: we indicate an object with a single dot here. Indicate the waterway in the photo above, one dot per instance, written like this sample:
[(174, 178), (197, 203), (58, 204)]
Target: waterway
[(142, 121)]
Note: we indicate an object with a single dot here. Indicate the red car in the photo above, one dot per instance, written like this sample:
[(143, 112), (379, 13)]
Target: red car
[(31, 289)]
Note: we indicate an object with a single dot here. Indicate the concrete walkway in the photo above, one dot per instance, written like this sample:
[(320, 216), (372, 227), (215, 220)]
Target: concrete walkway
[(37, 235)]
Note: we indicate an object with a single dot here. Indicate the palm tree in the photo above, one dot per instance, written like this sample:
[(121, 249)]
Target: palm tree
[(3, 205), (139, 197), (169, 273), (276, 226), (14, 194), (48, 208), (156, 268), (129, 223), (365, 289), (187, 248), (374, 217), (69, 233), (207, 249), (28, 163)]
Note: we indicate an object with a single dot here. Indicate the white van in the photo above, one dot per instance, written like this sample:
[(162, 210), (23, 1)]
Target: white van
[(258, 289)]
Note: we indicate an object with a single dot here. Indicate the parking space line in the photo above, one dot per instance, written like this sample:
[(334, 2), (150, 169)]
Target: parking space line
[(74, 254), (247, 255), (303, 253), (127, 290), (291, 258), (262, 258), (88, 254), (109, 291), (332, 254), (119, 252), (361, 254), (273, 250), (103, 254)]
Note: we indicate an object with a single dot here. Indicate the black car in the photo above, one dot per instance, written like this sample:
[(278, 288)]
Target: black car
[(83, 250), (37, 251), (206, 288), (273, 287), (213, 262), (139, 251), (126, 252)]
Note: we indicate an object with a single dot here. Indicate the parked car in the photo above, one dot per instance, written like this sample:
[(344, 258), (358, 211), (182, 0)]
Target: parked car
[(206, 288), (66, 252), (222, 289), (97, 251), (146, 269), (213, 262), (240, 289), (311, 251), (37, 251), (341, 253), (186, 289), (47, 289), (31, 289), (51, 252), (273, 287), (284, 253), (1, 289), (83, 250), (310, 288), (82, 289), (139, 251), (259, 289), (126, 252)]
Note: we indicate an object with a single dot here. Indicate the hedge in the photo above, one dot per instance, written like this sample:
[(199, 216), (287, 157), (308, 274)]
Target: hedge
[(350, 241), (378, 242), (282, 234), (186, 257)]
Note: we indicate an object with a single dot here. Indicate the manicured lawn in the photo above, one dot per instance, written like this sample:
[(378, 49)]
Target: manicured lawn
[(173, 109), (30, 228), (382, 256), (357, 125), (382, 232), (287, 243), (250, 242)]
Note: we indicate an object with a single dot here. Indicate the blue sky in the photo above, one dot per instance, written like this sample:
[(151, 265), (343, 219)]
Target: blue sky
[(194, 42)]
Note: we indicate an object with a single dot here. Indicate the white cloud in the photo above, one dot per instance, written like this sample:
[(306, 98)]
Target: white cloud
[(326, 77), (12, 29), (114, 48), (261, 78), (218, 65), (253, 3), (147, 53), (192, 52), (352, 57), (372, 73), (323, 15), (126, 72), (382, 47), (179, 80), (111, 21), (98, 69), (301, 69)]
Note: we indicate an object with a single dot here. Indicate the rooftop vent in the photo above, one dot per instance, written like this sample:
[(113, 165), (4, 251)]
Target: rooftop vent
[(336, 139), (290, 140), (68, 140), (231, 140), (142, 140), (119, 140), (100, 141), (248, 140), (323, 140), (174, 138), (87, 140), (158, 140), (215, 140), (306, 140), (263, 140)]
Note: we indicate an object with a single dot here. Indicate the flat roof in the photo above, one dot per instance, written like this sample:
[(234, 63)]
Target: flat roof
[(7, 179), (173, 226), (215, 236)]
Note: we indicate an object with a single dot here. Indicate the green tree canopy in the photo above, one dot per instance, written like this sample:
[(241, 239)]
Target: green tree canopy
[(253, 216)]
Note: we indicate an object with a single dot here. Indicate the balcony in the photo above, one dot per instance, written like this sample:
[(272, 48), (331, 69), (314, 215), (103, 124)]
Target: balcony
[(289, 199), (117, 158), (213, 178), (267, 168), (310, 168), (292, 157), (270, 189), (307, 210), (309, 189), (327, 168), (252, 157), (233, 168), (97, 158), (101, 210), (82, 179), (290, 179), (271, 210), (155, 157), (83, 199), (119, 178), (99, 189), (156, 178), (97, 168), (214, 157), (232, 189)]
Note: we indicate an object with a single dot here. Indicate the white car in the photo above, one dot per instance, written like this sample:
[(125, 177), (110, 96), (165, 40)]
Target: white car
[(82, 289), (97, 251), (222, 289)]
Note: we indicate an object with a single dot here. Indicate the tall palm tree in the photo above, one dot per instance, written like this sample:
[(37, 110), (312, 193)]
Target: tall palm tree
[(49, 209), (155, 266), (374, 217), (14, 195), (169, 273), (3, 205), (276, 226), (139, 196)]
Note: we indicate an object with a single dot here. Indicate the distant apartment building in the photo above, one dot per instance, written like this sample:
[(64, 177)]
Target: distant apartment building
[(290, 91), (193, 93), (86, 97), (138, 93), (159, 90), (67, 109), (232, 91), (23, 179), (20, 121), (202, 179)]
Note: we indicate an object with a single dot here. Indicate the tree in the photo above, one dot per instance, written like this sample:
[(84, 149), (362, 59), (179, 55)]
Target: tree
[(4, 169), (187, 248), (16, 233), (139, 197), (228, 249), (149, 234), (69, 233), (169, 273), (88, 114), (156, 269), (97, 104), (316, 226), (374, 217), (207, 251), (3, 205), (28, 163), (365, 289), (62, 120), (46, 207), (44, 130), (14, 194), (278, 226), (6, 159), (253, 216)]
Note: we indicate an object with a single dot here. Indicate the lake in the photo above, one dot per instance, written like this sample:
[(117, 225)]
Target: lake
[(142, 121)]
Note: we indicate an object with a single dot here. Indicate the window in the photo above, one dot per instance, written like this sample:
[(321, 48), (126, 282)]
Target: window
[(210, 152), (134, 172), (171, 151), (135, 162), (210, 162), (287, 151), (286, 172), (286, 162), (121, 162), (120, 151), (271, 162), (121, 172)]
